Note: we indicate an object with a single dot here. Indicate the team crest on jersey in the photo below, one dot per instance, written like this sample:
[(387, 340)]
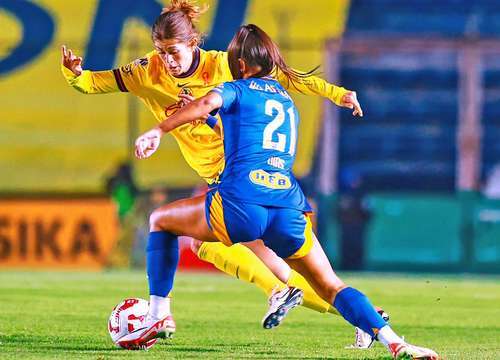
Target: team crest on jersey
[(275, 181), (186, 91), (126, 69)]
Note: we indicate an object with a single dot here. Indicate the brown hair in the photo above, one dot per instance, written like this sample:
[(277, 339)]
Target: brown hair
[(253, 45), (177, 22)]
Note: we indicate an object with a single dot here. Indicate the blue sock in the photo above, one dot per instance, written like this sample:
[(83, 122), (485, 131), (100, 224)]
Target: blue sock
[(162, 256), (355, 307)]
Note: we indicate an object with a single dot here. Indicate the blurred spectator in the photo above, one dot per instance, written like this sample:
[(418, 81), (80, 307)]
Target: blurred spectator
[(122, 189), (353, 217), (131, 245)]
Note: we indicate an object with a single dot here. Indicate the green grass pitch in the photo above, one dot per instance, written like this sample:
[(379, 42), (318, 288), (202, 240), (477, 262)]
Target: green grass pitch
[(64, 315)]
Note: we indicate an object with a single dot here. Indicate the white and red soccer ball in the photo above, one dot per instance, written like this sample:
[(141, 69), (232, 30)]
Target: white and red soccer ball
[(126, 318)]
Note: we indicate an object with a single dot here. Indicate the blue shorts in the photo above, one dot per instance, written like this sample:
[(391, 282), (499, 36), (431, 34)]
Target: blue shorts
[(288, 232)]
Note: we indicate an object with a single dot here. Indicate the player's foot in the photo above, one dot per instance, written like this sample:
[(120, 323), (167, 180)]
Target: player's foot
[(409, 352), (151, 330), (280, 303), (363, 340)]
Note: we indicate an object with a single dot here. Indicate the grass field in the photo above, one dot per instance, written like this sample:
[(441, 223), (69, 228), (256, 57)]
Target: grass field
[(64, 315)]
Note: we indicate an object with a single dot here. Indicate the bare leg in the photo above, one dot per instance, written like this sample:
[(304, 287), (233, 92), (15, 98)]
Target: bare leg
[(183, 217), (289, 277), (317, 270), (276, 264), (351, 304), (187, 217)]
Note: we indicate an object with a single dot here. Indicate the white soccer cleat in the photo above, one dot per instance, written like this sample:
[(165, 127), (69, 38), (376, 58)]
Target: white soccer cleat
[(280, 303), (151, 330), (363, 340), (410, 352)]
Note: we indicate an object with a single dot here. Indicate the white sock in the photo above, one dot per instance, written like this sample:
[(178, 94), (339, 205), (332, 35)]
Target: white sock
[(159, 306), (387, 336)]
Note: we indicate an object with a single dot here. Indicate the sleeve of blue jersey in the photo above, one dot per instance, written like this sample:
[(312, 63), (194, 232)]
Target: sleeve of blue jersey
[(229, 94)]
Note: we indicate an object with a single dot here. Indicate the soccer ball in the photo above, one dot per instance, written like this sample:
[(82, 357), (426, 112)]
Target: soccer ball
[(126, 318)]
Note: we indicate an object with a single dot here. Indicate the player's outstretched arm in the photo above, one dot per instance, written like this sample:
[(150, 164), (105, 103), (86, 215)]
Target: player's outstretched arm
[(314, 85), (85, 81), (147, 144), (213, 123)]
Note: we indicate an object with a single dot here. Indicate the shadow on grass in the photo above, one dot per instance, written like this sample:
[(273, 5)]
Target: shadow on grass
[(54, 343), (249, 352), (47, 344)]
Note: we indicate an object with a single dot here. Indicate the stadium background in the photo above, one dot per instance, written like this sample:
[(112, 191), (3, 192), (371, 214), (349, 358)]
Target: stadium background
[(412, 184)]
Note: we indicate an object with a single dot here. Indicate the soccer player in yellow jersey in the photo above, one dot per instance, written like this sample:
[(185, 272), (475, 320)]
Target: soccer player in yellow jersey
[(252, 188), (176, 72)]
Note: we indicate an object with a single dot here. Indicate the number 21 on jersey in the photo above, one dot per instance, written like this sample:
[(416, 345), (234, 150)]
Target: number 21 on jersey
[(275, 107)]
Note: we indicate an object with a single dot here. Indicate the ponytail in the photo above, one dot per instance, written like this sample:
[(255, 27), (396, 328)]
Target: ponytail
[(192, 11), (254, 46)]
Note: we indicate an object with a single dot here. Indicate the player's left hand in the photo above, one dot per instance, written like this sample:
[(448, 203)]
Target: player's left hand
[(350, 100), (148, 143)]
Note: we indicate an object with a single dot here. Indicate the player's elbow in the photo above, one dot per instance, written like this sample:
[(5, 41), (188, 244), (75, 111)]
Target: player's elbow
[(210, 102)]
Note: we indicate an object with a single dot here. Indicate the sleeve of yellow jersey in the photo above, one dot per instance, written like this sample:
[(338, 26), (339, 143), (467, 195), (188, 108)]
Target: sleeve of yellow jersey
[(122, 79), (310, 85), (313, 85)]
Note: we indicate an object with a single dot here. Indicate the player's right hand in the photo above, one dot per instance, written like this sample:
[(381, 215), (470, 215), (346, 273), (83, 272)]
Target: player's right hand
[(148, 143), (71, 61)]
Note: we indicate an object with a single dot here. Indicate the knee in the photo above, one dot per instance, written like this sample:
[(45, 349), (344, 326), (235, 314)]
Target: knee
[(159, 220), (195, 245), (332, 291), (154, 221), (328, 291)]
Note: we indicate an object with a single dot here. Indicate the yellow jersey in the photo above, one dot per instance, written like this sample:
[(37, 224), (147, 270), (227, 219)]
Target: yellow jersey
[(148, 79)]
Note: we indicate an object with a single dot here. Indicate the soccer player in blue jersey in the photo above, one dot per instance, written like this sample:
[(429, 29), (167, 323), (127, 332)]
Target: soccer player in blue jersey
[(258, 196), (176, 72)]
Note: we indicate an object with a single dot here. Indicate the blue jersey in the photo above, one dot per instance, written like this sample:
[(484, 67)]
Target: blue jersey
[(260, 124)]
